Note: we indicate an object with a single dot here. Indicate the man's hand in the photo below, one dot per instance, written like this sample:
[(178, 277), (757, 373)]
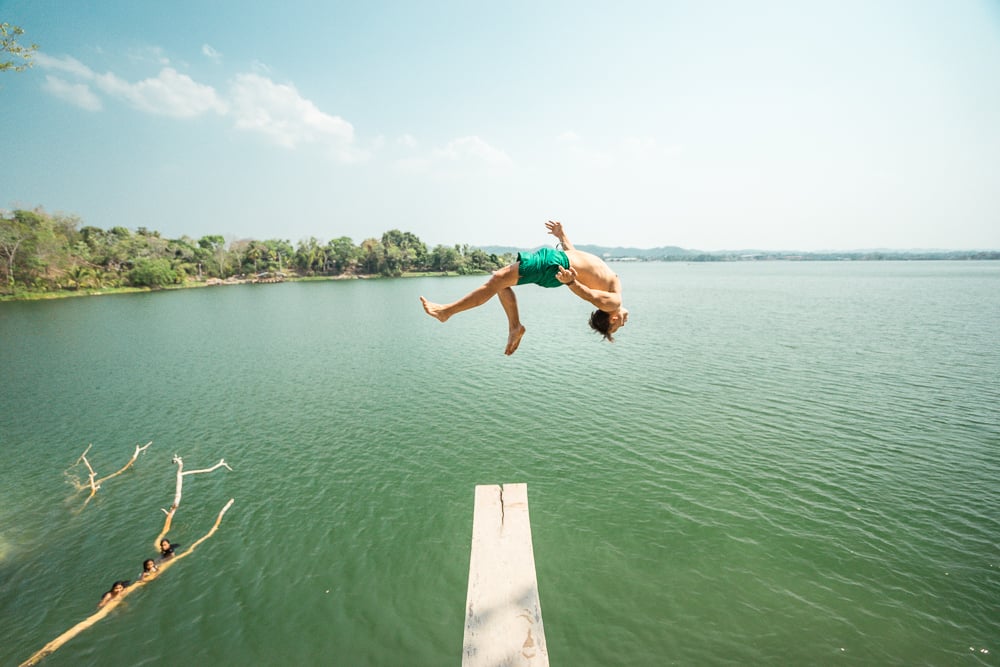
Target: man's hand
[(566, 276), (555, 228)]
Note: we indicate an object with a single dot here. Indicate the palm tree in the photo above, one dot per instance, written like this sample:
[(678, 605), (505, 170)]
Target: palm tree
[(78, 275), (254, 254)]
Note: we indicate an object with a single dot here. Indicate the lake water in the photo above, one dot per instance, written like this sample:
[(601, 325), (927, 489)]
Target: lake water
[(777, 463)]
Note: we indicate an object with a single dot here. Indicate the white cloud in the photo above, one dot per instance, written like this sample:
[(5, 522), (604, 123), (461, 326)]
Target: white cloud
[(279, 112), (256, 104), (568, 136), (407, 140), (77, 94), (210, 53), (169, 94), (66, 64)]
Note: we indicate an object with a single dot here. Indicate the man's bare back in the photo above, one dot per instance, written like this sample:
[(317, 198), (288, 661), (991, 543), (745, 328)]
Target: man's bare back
[(592, 271)]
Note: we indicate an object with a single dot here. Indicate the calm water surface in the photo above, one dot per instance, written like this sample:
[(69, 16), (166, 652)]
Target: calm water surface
[(777, 463)]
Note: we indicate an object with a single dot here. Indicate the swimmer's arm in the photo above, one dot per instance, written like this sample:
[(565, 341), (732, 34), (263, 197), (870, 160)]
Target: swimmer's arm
[(556, 229), (609, 302)]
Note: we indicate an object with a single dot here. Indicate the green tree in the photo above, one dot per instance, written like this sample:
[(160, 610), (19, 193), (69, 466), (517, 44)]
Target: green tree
[(310, 256), (36, 247), (13, 233), (214, 250), (413, 251), (14, 56), (237, 256), (183, 255), (372, 256), (476, 259), (445, 258), (255, 252), (343, 254), (79, 276), (394, 262), (152, 273), (280, 254), (118, 249)]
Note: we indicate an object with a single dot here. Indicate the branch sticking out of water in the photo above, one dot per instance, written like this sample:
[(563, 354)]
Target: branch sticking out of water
[(177, 493), (92, 481)]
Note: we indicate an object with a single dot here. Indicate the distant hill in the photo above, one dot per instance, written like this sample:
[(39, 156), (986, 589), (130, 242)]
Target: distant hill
[(646, 254), (677, 254)]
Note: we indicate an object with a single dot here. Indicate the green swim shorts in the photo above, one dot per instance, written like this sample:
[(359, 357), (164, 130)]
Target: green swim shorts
[(540, 267)]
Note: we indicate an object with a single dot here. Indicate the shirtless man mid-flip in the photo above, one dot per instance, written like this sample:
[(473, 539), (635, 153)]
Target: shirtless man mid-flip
[(585, 274)]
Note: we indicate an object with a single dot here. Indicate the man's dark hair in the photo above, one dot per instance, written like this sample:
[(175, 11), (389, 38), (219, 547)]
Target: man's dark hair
[(600, 322)]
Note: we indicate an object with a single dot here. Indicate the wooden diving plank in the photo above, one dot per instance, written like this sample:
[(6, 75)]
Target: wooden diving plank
[(503, 615)]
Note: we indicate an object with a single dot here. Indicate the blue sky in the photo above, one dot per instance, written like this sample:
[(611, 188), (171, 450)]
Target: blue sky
[(709, 125)]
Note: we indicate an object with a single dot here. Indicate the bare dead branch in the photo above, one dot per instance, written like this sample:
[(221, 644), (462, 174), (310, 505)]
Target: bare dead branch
[(177, 493), (94, 486), (135, 455), (85, 452), (221, 464), (93, 483)]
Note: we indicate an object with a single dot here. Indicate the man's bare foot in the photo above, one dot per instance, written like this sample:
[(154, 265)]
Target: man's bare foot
[(434, 310), (513, 340)]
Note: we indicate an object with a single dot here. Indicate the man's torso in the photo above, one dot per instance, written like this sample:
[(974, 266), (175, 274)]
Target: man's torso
[(593, 272)]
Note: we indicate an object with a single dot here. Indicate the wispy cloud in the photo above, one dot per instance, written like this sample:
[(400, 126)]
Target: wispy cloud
[(279, 112), (210, 53), (78, 94), (253, 100), (169, 94), (66, 64)]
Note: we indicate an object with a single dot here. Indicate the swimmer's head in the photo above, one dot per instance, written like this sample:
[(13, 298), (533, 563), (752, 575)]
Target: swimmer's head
[(607, 324)]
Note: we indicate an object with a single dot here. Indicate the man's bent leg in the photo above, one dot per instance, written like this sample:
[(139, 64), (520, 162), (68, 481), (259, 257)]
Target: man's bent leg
[(515, 329), (502, 278)]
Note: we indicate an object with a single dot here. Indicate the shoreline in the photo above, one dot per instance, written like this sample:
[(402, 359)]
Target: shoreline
[(215, 282)]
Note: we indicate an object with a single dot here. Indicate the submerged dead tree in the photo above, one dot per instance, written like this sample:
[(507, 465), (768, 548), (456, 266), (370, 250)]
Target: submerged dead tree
[(93, 483), (56, 643), (177, 494), (114, 602)]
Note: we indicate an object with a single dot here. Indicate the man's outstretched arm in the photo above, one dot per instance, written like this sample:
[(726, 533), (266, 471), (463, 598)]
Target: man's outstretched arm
[(556, 229)]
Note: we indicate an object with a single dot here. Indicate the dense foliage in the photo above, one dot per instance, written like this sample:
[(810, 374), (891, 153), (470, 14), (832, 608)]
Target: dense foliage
[(43, 252)]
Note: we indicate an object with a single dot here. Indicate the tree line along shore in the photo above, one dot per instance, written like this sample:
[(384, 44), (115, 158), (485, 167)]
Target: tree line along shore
[(45, 255)]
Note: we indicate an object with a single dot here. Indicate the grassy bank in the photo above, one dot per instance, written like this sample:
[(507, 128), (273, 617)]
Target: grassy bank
[(93, 291)]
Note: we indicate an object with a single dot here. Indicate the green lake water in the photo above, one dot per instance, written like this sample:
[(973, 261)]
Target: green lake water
[(776, 464)]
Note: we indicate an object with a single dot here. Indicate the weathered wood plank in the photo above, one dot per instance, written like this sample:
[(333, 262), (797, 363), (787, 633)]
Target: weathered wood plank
[(503, 615)]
